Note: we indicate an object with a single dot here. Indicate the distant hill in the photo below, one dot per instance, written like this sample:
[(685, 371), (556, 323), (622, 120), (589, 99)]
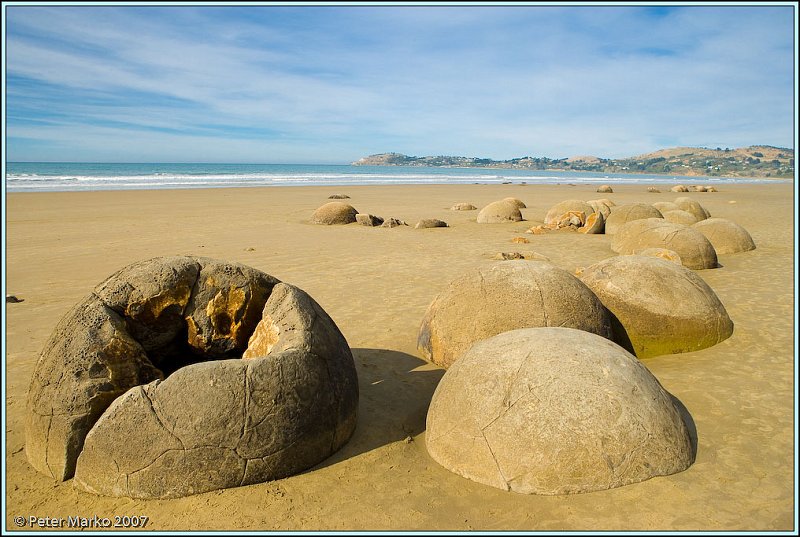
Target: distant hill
[(752, 161)]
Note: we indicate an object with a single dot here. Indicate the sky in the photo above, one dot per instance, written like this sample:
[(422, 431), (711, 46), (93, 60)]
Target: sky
[(333, 83)]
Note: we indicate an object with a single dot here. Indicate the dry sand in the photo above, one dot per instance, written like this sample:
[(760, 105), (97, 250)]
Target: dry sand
[(376, 283)]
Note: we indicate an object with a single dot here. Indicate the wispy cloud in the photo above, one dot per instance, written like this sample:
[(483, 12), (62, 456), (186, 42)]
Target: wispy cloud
[(332, 83)]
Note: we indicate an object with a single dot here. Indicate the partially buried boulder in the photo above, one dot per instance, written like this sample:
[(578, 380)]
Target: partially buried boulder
[(509, 295), (463, 207), (427, 223), (499, 212), (146, 322), (622, 214), (691, 206), (334, 213), (229, 423), (659, 307), (369, 219), (726, 236), (694, 249), (554, 411)]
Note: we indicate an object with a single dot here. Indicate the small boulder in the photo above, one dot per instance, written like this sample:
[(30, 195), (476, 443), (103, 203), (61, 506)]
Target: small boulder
[(605, 189), (430, 223), (393, 222), (338, 197), (499, 212), (368, 219), (463, 207), (679, 188), (334, 213), (653, 189)]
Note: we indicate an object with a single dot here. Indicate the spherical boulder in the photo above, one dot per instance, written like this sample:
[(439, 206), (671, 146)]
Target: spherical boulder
[(691, 206), (499, 212), (518, 202), (554, 411), (623, 214), (334, 213), (679, 216), (159, 319), (505, 296), (726, 236), (559, 209), (659, 307), (694, 249)]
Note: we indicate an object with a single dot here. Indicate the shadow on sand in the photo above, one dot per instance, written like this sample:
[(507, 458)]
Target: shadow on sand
[(393, 400)]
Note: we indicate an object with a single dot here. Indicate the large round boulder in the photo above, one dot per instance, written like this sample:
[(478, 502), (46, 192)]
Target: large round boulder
[(726, 236), (150, 327), (334, 213), (622, 214), (691, 206), (511, 294), (694, 249), (554, 411), (658, 306), (499, 212), (560, 209)]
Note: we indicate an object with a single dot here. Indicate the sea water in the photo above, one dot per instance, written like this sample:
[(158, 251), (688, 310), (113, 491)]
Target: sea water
[(71, 176)]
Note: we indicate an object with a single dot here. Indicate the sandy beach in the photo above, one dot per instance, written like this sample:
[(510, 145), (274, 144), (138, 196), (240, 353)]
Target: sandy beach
[(376, 284)]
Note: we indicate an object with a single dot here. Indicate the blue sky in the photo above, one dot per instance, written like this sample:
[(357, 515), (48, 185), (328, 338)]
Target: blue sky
[(330, 84)]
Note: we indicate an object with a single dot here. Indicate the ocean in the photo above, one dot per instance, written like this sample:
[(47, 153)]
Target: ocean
[(71, 176)]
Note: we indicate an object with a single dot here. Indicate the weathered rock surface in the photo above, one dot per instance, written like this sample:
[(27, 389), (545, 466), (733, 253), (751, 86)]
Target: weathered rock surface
[(426, 223), (554, 411), (499, 212), (664, 206), (663, 253), (509, 295), (679, 216), (694, 249), (334, 213), (726, 236), (463, 207), (559, 209), (659, 307), (602, 206), (230, 423), (393, 222), (622, 214)]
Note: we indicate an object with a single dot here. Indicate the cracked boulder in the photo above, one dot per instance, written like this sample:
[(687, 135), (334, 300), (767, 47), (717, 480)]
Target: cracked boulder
[(142, 324), (622, 214), (559, 209), (726, 236), (554, 411), (695, 250), (508, 295), (499, 212), (288, 405), (658, 306)]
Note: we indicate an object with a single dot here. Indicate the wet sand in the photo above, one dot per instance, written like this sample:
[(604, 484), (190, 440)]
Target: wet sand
[(376, 284)]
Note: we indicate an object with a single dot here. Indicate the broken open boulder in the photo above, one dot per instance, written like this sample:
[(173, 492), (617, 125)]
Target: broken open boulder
[(554, 411), (143, 387)]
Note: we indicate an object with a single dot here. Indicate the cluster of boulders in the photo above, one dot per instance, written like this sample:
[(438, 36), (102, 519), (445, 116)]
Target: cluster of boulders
[(340, 213), (576, 215), (693, 188), (543, 391), (142, 389)]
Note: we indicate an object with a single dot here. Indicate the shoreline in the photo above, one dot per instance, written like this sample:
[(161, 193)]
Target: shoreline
[(376, 284)]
